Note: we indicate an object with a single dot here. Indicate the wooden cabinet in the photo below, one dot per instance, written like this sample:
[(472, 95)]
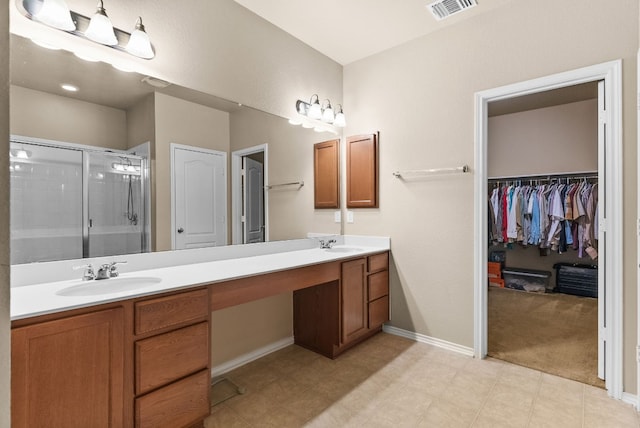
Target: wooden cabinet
[(326, 174), (172, 361), (331, 317), (362, 171), (140, 362), (69, 372), (354, 300)]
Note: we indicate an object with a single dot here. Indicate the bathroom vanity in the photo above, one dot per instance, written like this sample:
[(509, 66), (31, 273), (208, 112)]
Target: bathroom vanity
[(142, 357)]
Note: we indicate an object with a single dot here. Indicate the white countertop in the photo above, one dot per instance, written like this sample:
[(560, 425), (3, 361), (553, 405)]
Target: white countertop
[(30, 300)]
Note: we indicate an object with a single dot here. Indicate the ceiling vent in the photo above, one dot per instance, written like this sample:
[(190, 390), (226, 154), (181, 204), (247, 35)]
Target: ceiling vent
[(442, 9)]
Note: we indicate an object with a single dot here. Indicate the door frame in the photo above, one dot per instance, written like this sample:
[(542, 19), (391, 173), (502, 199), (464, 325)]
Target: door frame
[(172, 148), (236, 191), (611, 73)]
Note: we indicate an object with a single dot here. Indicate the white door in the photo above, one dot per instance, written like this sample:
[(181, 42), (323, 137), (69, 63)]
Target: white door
[(199, 197), (253, 198), (602, 174)]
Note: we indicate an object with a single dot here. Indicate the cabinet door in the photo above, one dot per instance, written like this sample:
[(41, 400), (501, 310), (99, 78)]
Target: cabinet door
[(326, 174), (354, 300), (69, 372), (362, 171)]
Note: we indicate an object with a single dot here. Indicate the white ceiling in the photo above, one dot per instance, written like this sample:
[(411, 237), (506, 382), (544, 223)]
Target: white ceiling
[(349, 30)]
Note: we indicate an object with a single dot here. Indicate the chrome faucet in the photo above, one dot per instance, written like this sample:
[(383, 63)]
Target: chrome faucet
[(327, 244), (108, 270)]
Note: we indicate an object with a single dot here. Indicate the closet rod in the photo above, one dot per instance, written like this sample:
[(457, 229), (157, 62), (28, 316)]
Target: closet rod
[(582, 174), (414, 172), (295, 183)]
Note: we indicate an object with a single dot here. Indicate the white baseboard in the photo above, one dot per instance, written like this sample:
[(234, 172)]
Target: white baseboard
[(251, 356), (450, 346), (630, 399)]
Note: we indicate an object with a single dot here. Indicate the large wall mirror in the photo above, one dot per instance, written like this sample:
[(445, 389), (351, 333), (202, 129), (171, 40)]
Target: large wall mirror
[(94, 170)]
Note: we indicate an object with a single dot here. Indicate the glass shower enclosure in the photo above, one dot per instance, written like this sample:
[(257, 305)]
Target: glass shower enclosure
[(72, 202)]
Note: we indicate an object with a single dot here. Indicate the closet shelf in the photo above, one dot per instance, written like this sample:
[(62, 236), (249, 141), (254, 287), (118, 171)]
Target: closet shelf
[(547, 177), (427, 172)]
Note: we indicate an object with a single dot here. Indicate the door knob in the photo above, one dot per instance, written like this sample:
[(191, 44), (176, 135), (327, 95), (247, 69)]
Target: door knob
[(180, 230)]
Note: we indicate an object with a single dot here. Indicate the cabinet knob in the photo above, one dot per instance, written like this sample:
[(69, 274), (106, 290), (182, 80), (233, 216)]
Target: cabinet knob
[(180, 230)]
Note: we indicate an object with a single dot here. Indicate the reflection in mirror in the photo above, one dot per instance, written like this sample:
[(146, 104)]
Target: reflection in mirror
[(124, 113)]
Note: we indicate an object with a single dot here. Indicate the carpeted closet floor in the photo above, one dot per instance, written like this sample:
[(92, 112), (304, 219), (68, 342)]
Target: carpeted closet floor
[(553, 333)]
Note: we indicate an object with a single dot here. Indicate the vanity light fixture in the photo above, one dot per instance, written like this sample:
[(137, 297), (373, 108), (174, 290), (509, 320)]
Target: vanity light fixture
[(98, 28), (314, 115), (56, 14)]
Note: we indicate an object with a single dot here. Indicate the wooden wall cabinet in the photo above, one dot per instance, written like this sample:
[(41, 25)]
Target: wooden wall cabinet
[(362, 171), (326, 174), (332, 317), (69, 372)]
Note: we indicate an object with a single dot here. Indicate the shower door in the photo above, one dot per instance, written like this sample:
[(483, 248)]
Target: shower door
[(115, 210), (70, 202)]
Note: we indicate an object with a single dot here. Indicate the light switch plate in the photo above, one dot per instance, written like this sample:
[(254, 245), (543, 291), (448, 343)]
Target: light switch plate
[(349, 216), (337, 216)]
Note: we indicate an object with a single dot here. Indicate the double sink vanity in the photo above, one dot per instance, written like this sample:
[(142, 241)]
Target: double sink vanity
[(134, 350)]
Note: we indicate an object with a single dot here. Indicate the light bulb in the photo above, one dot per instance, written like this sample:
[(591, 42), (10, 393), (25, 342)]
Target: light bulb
[(139, 43), (55, 13), (100, 29)]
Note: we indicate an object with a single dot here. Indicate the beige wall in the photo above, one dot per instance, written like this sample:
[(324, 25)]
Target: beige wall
[(52, 117), (5, 338), (420, 96), (141, 123), (180, 122), (290, 148), (555, 139), (243, 329)]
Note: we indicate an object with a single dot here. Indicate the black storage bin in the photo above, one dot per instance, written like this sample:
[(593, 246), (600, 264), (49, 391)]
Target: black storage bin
[(577, 279), (536, 281)]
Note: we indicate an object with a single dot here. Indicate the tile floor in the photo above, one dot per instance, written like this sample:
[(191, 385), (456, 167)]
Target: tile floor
[(390, 381)]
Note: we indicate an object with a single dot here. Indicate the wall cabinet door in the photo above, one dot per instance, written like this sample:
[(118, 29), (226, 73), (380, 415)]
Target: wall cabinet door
[(326, 174), (362, 171), (69, 372), (354, 300)]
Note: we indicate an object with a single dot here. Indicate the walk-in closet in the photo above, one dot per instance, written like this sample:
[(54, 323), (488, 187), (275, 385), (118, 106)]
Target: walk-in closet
[(544, 185)]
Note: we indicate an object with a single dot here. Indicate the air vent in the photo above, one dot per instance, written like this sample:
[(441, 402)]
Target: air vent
[(442, 9)]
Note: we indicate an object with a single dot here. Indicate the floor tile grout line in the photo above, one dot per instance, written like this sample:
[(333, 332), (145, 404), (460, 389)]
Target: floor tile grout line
[(535, 399), (486, 399)]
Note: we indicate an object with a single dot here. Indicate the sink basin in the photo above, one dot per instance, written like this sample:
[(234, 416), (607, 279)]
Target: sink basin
[(342, 249), (109, 286)]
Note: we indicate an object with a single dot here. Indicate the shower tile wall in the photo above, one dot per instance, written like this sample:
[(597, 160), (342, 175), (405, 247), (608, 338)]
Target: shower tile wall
[(46, 205)]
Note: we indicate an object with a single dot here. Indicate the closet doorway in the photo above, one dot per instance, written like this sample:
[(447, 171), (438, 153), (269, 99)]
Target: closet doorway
[(249, 205), (542, 162), (606, 177)]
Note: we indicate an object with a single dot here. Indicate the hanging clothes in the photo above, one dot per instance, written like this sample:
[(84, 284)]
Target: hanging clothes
[(554, 217)]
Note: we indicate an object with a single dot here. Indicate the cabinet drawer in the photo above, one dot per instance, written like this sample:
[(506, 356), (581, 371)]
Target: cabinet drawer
[(378, 312), (378, 285), (164, 358), (378, 262), (155, 314), (180, 404)]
